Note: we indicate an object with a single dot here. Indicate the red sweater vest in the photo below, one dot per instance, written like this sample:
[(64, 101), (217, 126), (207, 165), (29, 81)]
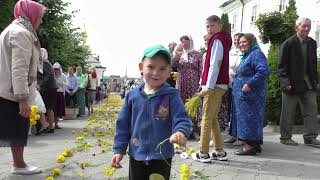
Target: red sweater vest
[(223, 77)]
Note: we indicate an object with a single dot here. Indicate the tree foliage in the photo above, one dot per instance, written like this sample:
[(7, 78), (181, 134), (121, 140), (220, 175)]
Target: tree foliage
[(226, 26), (275, 28), (65, 44), (6, 13)]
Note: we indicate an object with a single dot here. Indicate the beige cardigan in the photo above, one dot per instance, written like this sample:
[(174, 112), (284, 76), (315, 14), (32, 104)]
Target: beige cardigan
[(19, 57)]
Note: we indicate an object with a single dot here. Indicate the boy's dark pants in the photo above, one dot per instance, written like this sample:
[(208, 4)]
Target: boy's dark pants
[(141, 170)]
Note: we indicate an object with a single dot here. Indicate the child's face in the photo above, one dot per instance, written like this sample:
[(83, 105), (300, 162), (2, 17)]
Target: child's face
[(155, 71), (213, 27), (207, 39)]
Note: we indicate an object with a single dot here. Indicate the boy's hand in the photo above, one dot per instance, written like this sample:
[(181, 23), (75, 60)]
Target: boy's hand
[(178, 138), (203, 91), (115, 161)]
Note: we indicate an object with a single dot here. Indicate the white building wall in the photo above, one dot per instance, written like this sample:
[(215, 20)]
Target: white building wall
[(304, 9)]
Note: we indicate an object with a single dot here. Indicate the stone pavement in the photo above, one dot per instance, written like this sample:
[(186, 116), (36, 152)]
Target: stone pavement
[(277, 161)]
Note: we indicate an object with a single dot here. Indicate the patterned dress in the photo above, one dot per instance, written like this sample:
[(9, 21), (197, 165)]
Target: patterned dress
[(189, 74), (248, 107)]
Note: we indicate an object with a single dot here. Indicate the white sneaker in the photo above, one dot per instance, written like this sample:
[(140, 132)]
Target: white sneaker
[(219, 155), (28, 170), (60, 119), (198, 156)]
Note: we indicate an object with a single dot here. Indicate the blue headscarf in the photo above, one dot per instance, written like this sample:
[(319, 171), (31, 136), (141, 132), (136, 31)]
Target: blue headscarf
[(244, 55)]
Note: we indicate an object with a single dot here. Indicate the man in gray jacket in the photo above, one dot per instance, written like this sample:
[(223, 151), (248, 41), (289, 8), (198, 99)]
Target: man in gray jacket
[(298, 82)]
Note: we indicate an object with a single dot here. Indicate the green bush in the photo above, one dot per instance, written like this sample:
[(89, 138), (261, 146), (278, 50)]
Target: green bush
[(6, 13), (273, 102)]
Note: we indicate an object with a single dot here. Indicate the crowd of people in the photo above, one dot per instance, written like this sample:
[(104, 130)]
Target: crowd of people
[(231, 82), (232, 85)]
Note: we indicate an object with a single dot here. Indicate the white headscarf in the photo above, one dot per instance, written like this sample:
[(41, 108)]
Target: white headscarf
[(56, 65), (43, 57), (191, 49)]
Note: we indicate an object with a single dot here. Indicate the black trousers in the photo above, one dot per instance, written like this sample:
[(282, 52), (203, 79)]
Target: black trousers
[(142, 170), (72, 98)]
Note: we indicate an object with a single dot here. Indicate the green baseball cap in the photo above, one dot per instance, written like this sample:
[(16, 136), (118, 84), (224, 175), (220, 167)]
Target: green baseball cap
[(150, 51)]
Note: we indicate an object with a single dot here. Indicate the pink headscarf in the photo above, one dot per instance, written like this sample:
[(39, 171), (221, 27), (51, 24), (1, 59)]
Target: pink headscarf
[(30, 9)]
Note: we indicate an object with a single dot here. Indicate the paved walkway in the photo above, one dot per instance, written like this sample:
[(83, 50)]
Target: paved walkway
[(277, 161)]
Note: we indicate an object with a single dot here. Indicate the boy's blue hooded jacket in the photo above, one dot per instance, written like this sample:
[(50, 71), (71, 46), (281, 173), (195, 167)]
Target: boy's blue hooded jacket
[(143, 123)]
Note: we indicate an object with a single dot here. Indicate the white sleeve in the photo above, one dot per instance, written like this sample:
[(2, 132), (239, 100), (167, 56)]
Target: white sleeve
[(215, 59)]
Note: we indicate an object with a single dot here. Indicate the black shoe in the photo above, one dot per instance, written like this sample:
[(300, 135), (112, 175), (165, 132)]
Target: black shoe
[(258, 149), (231, 139), (42, 131), (312, 142), (50, 130), (251, 152)]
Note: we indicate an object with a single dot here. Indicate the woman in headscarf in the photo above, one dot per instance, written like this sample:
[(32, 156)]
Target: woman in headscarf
[(19, 54), (189, 66), (62, 81), (249, 96), (47, 87)]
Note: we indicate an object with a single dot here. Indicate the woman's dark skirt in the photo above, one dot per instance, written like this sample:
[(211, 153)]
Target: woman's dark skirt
[(49, 98), (14, 128), (59, 109)]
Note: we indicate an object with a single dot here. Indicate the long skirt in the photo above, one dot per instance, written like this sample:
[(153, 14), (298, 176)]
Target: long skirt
[(60, 105), (81, 101), (14, 128)]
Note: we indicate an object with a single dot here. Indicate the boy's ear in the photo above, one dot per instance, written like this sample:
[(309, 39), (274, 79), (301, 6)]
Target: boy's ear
[(141, 67)]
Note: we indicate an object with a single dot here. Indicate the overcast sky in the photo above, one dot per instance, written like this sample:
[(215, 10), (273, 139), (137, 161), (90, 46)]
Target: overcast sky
[(120, 30)]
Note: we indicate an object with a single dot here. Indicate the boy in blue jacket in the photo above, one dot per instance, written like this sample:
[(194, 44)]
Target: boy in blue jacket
[(152, 113)]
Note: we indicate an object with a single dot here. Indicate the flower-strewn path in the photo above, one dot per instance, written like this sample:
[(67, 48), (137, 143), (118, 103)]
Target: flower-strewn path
[(90, 141)]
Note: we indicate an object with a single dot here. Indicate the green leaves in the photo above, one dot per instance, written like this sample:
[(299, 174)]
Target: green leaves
[(276, 27), (65, 44), (6, 11), (226, 26)]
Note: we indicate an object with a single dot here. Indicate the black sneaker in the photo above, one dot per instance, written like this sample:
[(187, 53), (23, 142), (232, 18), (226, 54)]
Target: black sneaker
[(219, 155), (50, 130), (198, 156)]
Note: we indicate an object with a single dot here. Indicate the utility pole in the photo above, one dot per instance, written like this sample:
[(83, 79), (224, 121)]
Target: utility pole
[(242, 11)]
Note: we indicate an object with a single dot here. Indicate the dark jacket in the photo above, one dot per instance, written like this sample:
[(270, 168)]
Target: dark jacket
[(290, 69), (46, 80), (143, 123)]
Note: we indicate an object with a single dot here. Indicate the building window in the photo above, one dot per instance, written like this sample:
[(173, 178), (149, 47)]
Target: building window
[(234, 22), (254, 13), (282, 5)]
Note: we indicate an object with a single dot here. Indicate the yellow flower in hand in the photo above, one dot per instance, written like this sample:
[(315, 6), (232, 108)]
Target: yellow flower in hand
[(34, 108)]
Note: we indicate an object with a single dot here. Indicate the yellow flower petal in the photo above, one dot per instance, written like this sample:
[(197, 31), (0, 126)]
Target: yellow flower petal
[(60, 159), (56, 171), (49, 178)]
